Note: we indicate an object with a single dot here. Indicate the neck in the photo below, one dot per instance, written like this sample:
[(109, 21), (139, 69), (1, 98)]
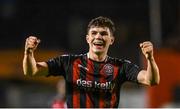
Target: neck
[(97, 57)]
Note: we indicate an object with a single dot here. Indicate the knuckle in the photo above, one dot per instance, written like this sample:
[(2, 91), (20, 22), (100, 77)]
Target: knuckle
[(32, 37)]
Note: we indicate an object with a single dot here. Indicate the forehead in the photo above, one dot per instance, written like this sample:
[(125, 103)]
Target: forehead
[(99, 29)]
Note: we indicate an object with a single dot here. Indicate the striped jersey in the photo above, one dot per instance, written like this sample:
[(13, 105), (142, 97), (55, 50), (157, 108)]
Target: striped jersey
[(90, 83)]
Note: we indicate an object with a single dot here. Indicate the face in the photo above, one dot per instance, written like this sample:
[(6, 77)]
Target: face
[(99, 39)]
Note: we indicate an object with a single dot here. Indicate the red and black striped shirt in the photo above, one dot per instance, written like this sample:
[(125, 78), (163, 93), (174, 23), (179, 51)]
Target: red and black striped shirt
[(90, 83)]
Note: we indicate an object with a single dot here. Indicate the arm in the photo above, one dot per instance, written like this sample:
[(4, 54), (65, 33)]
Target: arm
[(30, 66), (150, 76)]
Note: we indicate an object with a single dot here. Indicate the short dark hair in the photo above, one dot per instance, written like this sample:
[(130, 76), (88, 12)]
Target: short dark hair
[(102, 22)]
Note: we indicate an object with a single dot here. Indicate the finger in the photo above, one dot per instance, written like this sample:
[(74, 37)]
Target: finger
[(33, 40), (146, 42), (141, 45), (147, 45), (26, 40), (30, 42), (33, 37), (148, 50)]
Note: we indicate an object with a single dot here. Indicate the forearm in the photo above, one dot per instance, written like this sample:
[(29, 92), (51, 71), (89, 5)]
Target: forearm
[(29, 64), (152, 74)]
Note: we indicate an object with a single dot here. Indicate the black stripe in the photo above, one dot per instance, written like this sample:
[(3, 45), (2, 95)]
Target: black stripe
[(108, 95), (69, 87), (69, 94), (83, 77), (96, 78)]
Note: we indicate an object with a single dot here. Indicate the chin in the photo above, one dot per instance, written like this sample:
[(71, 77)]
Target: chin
[(98, 51)]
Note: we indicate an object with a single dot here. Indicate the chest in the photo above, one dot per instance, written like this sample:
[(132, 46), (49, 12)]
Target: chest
[(94, 75)]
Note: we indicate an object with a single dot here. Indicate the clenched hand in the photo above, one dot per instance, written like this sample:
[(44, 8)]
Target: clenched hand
[(31, 44)]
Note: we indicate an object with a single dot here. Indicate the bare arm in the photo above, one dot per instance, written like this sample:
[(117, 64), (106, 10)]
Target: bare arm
[(30, 66), (151, 75)]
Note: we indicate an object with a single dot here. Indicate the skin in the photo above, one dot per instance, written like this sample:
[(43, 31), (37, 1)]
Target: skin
[(151, 75), (99, 40)]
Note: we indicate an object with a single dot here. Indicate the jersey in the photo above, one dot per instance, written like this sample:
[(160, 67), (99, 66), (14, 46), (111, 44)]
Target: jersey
[(90, 83)]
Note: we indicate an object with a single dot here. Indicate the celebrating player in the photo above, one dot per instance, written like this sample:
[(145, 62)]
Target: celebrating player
[(93, 79)]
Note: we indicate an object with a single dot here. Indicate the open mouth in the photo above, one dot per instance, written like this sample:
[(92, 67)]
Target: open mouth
[(98, 43)]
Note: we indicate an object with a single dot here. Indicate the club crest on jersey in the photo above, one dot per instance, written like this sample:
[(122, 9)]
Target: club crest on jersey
[(108, 69)]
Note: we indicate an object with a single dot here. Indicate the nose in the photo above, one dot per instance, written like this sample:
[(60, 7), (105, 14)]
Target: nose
[(98, 36)]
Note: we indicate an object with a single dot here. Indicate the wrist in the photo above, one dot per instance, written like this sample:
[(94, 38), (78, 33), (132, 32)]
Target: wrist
[(28, 52), (150, 58)]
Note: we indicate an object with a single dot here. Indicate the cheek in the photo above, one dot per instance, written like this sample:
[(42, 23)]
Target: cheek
[(108, 41), (87, 39), (90, 40)]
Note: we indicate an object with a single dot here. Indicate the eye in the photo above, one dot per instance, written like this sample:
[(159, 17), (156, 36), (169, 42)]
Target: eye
[(103, 33), (93, 33)]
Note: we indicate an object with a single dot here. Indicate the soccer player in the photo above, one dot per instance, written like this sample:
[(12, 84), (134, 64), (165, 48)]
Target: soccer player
[(93, 79)]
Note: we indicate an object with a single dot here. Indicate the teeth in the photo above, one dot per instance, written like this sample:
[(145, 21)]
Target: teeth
[(98, 42)]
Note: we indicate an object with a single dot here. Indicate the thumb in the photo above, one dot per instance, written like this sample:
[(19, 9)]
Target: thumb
[(141, 45)]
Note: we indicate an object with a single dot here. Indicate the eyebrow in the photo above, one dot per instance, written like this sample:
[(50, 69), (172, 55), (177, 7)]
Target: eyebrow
[(99, 31)]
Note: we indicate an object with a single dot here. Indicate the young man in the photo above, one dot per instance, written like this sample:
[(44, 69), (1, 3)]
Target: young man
[(93, 79)]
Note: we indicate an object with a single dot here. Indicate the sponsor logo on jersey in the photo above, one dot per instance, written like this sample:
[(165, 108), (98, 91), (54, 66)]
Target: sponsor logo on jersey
[(108, 69), (95, 84)]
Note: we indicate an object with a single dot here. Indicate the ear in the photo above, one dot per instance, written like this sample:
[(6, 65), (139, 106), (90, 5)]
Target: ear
[(87, 38), (112, 40)]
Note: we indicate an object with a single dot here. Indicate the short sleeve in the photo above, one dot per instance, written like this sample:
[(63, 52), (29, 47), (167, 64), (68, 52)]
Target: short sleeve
[(56, 66), (131, 71)]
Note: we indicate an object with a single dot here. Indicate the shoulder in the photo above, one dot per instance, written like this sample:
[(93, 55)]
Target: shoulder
[(72, 56), (118, 60)]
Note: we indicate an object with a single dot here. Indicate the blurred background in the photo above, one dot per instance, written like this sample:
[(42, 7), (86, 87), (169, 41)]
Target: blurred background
[(61, 26)]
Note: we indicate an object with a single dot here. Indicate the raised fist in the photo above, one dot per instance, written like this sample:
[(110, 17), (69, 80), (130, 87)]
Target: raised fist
[(31, 44), (147, 49)]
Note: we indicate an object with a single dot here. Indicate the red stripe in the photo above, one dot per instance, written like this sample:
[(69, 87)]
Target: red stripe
[(76, 75), (88, 101), (102, 79), (116, 68), (90, 68), (89, 77), (113, 98)]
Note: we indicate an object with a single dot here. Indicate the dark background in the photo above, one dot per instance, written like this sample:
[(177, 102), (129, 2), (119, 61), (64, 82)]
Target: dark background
[(61, 26)]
